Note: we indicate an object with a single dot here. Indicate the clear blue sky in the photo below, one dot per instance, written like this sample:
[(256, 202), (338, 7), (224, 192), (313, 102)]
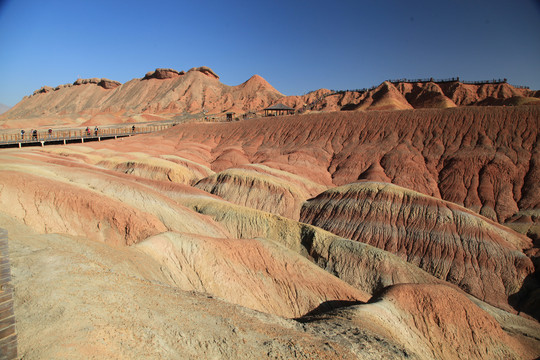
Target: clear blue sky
[(296, 45)]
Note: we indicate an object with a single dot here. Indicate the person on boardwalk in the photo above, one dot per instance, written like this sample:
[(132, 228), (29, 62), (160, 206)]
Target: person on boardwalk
[(50, 133), (87, 131), (22, 134), (133, 129), (34, 134), (96, 130)]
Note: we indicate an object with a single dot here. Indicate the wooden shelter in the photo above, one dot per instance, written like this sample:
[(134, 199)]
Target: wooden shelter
[(278, 109)]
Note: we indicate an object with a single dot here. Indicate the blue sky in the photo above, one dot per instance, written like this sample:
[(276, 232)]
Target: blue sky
[(297, 46)]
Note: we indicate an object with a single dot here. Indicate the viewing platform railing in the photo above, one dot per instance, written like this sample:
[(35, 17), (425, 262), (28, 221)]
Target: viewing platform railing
[(43, 137)]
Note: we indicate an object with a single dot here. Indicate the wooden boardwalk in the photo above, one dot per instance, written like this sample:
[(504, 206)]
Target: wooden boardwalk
[(64, 137), (8, 332)]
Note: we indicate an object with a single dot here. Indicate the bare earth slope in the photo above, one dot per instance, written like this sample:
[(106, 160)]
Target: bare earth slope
[(163, 91), (406, 95), (263, 188), (80, 299), (167, 94), (232, 269), (442, 238), (428, 317), (482, 158), (186, 243)]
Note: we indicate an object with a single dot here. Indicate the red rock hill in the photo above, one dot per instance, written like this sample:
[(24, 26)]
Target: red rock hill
[(166, 93), (163, 91), (417, 95)]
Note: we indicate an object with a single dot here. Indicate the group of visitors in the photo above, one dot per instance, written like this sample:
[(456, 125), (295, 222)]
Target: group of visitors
[(96, 131), (34, 134), (88, 132)]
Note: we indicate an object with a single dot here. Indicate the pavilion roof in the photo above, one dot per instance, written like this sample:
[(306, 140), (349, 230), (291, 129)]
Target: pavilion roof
[(279, 106)]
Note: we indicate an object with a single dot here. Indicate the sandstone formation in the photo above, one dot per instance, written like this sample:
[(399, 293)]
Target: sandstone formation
[(363, 266), (109, 208), (186, 243), (446, 240), (422, 322), (406, 95), (114, 222), (165, 92), (163, 74), (43, 90), (384, 97), (80, 299), (104, 83), (205, 70), (116, 302), (429, 95), (263, 188), (232, 269), (108, 84), (480, 158)]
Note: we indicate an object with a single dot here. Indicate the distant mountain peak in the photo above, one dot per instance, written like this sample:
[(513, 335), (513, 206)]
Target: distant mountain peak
[(257, 83), (165, 92), (4, 108)]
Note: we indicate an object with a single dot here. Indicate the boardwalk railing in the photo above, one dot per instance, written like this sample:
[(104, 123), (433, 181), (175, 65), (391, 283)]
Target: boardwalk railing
[(8, 332), (425, 80), (77, 134), (43, 137), (453, 79)]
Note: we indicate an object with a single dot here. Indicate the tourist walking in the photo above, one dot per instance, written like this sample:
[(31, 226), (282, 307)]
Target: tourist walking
[(22, 134)]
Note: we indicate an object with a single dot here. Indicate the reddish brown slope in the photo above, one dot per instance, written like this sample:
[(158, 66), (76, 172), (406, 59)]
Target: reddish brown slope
[(192, 92), (263, 188), (167, 92), (47, 206), (62, 100), (258, 274), (426, 95), (68, 196), (416, 95), (444, 239), (301, 102), (384, 97), (163, 91), (225, 250), (435, 321), (481, 158)]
